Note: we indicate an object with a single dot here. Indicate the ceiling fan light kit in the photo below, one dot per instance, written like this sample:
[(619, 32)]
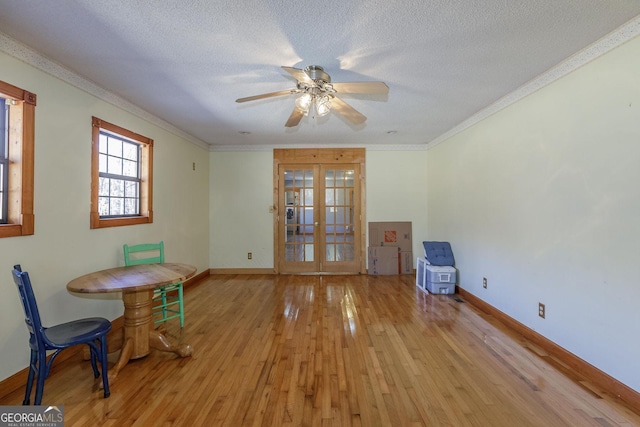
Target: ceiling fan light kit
[(319, 94)]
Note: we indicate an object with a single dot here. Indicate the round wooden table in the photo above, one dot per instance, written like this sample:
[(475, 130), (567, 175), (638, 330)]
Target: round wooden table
[(136, 283)]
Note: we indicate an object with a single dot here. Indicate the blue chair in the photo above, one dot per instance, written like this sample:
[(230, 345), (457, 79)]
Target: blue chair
[(91, 331), (168, 301)]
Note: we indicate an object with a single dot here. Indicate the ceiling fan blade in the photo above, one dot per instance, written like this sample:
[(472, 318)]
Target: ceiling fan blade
[(267, 95), (294, 118), (300, 75), (347, 111), (361, 87)]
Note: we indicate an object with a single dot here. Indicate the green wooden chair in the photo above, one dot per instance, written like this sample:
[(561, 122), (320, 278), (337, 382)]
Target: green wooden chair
[(166, 305)]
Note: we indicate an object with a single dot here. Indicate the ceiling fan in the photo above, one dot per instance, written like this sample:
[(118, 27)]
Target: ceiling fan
[(321, 95)]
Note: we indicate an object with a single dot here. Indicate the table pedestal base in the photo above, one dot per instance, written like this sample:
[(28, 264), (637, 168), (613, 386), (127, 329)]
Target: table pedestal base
[(138, 335)]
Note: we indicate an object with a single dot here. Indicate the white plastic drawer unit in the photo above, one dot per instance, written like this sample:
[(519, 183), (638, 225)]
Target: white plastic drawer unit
[(434, 278), (440, 274)]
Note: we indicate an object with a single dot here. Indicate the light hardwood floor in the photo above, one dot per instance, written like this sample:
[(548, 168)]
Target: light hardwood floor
[(334, 351)]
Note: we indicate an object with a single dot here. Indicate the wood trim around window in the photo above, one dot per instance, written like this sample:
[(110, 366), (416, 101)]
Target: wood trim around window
[(21, 162), (146, 176)]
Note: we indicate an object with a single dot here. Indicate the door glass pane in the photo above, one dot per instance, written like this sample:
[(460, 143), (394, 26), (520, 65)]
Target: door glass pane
[(289, 252), (329, 197), (308, 252), (329, 182), (308, 197), (330, 254)]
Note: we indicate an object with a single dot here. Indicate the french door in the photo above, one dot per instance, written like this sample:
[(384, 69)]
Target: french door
[(319, 221)]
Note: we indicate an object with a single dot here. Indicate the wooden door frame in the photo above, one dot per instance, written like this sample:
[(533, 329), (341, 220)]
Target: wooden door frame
[(319, 156)]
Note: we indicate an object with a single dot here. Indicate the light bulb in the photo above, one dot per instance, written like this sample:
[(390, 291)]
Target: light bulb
[(303, 103), (323, 105)]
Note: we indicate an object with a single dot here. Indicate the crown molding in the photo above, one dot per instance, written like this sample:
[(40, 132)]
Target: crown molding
[(29, 56), (374, 147), (606, 44)]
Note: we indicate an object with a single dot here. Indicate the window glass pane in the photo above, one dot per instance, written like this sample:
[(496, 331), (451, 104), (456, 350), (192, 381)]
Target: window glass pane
[(103, 186), (117, 188), (131, 207), (115, 147), (116, 206), (103, 143), (102, 163), (340, 196), (103, 206), (129, 168), (114, 165), (339, 178), (130, 151), (131, 188)]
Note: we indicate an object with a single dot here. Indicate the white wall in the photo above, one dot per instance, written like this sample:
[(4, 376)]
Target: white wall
[(242, 190), (63, 246), (543, 199), (396, 191), (241, 185)]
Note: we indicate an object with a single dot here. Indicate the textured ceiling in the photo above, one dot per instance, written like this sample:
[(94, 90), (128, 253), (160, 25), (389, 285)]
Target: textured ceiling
[(186, 62)]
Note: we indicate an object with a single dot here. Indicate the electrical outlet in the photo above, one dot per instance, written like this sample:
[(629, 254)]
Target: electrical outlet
[(484, 282), (541, 310), (249, 255)]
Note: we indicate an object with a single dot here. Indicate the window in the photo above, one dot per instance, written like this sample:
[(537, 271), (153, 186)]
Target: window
[(121, 176), (17, 141), (4, 160)]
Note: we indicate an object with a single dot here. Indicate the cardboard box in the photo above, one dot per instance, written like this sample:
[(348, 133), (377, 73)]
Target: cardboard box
[(383, 260), (391, 234), (394, 234), (406, 262)]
